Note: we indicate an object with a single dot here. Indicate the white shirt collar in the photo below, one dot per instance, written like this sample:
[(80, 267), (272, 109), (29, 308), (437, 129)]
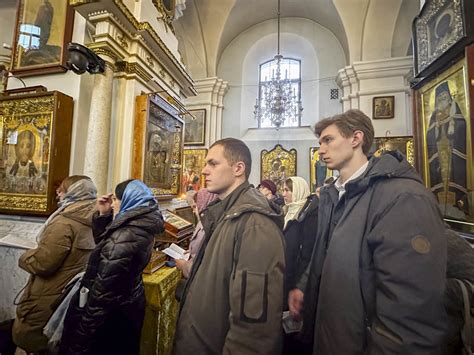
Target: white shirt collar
[(341, 187)]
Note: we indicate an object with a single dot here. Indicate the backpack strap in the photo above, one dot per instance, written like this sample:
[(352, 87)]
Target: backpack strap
[(466, 333)]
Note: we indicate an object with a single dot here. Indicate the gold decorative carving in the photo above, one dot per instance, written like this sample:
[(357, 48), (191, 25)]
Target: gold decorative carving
[(41, 124), (145, 26), (123, 41), (167, 15), (162, 73), (106, 52), (149, 61), (81, 2), (11, 108), (133, 68), (25, 203)]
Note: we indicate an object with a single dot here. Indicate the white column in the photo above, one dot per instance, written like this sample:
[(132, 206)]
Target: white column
[(210, 96), (96, 164)]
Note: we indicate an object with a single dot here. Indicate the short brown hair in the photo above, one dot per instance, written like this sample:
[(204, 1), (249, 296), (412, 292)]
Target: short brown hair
[(348, 122), (234, 151)]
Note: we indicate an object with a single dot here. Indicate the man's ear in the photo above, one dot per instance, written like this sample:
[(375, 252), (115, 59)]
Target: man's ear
[(357, 139), (239, 168)]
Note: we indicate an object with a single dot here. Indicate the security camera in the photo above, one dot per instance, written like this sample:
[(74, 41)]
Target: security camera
[(82, 59)]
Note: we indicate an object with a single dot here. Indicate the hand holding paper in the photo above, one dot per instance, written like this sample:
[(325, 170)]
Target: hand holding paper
[(176, 252)]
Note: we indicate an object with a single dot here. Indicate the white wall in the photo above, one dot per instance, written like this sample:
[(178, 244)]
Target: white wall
[(321, 57)]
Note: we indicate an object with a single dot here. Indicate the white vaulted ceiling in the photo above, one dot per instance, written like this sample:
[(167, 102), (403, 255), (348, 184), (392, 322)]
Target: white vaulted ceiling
[(366, 29)]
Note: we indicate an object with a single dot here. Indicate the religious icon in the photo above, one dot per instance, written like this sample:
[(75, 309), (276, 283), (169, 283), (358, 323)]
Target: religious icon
[(383, 107), (43, 29), (318, 169), (277, 165), (446, 145), (445, 126), (29, 131), (194, 162)]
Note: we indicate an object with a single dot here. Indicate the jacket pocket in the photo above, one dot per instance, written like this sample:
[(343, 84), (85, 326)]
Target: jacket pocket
[(254, 297)]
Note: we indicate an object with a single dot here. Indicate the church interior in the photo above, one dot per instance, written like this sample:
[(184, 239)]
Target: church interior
[(120, 89)]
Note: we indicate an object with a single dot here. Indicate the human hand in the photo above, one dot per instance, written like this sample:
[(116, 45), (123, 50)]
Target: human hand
[(180, 264), (184, 266), (104, 204), (295, 302)]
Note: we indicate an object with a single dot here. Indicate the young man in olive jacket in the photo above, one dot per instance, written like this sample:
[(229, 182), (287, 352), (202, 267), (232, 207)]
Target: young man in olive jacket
[(376, 281), (232, 302)]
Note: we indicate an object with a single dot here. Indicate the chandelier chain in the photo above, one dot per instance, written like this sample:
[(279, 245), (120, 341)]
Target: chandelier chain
[(277, 100)]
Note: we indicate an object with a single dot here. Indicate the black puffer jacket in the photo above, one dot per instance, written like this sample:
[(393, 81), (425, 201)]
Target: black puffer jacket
[(111, 320), (300, 236)]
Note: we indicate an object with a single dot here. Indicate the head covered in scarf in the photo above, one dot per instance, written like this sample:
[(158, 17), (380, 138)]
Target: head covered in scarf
[(300, 192), (136, 194), (204, 198), (77, 188)]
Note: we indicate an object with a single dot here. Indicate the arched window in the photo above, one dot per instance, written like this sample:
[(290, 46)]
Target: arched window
[(290, 70)]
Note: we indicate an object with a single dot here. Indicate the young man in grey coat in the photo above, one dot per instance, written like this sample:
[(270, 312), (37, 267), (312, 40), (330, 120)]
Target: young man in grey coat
[(377, 277), (232, 303)]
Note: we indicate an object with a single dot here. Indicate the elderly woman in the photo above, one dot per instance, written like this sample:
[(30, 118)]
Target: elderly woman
[(301, 219), (202, 199), (64, 245), (111, 318)]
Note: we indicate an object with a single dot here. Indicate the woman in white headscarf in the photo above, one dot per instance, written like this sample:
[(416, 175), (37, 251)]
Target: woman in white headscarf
[(301, 217), (64, 245)]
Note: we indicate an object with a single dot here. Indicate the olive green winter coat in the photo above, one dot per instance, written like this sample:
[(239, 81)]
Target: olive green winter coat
[(62, 252)]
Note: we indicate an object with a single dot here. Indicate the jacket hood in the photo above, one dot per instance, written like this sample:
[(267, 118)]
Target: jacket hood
[(145, 217), (391, 164), (81, 211), (251, 200)]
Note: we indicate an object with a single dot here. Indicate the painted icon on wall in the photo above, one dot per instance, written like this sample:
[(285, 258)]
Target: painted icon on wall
[(43, 29)]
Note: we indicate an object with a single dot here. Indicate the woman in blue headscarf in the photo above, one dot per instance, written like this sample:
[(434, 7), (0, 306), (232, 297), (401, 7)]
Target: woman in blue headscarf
[(110, 318)]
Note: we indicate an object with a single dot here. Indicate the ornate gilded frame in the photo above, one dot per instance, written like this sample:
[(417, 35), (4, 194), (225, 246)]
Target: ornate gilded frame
[(194, 161), (35, 145), (431, 147), (440, 32), (43, 30), (404, 144), (318, 172), (158, 145), (277, 165)]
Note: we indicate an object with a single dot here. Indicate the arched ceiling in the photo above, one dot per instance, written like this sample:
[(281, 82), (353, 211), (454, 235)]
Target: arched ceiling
[(247, 13), (222, 21), (364, 28)]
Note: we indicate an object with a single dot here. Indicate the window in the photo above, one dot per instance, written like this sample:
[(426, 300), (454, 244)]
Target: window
[(29, 36), (289, 69)]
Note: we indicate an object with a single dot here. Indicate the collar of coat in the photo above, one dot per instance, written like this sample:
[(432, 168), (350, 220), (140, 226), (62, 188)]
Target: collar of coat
[(391, 164), (142, 217), (244, 199)]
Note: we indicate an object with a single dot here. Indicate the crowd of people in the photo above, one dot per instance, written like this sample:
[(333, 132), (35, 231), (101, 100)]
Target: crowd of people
[(365, 265)]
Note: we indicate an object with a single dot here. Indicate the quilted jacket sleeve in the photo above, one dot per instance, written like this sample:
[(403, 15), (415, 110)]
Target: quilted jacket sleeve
[(53, 248)]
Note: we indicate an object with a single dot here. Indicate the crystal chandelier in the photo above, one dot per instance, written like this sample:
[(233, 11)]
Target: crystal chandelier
[(278, 101)]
